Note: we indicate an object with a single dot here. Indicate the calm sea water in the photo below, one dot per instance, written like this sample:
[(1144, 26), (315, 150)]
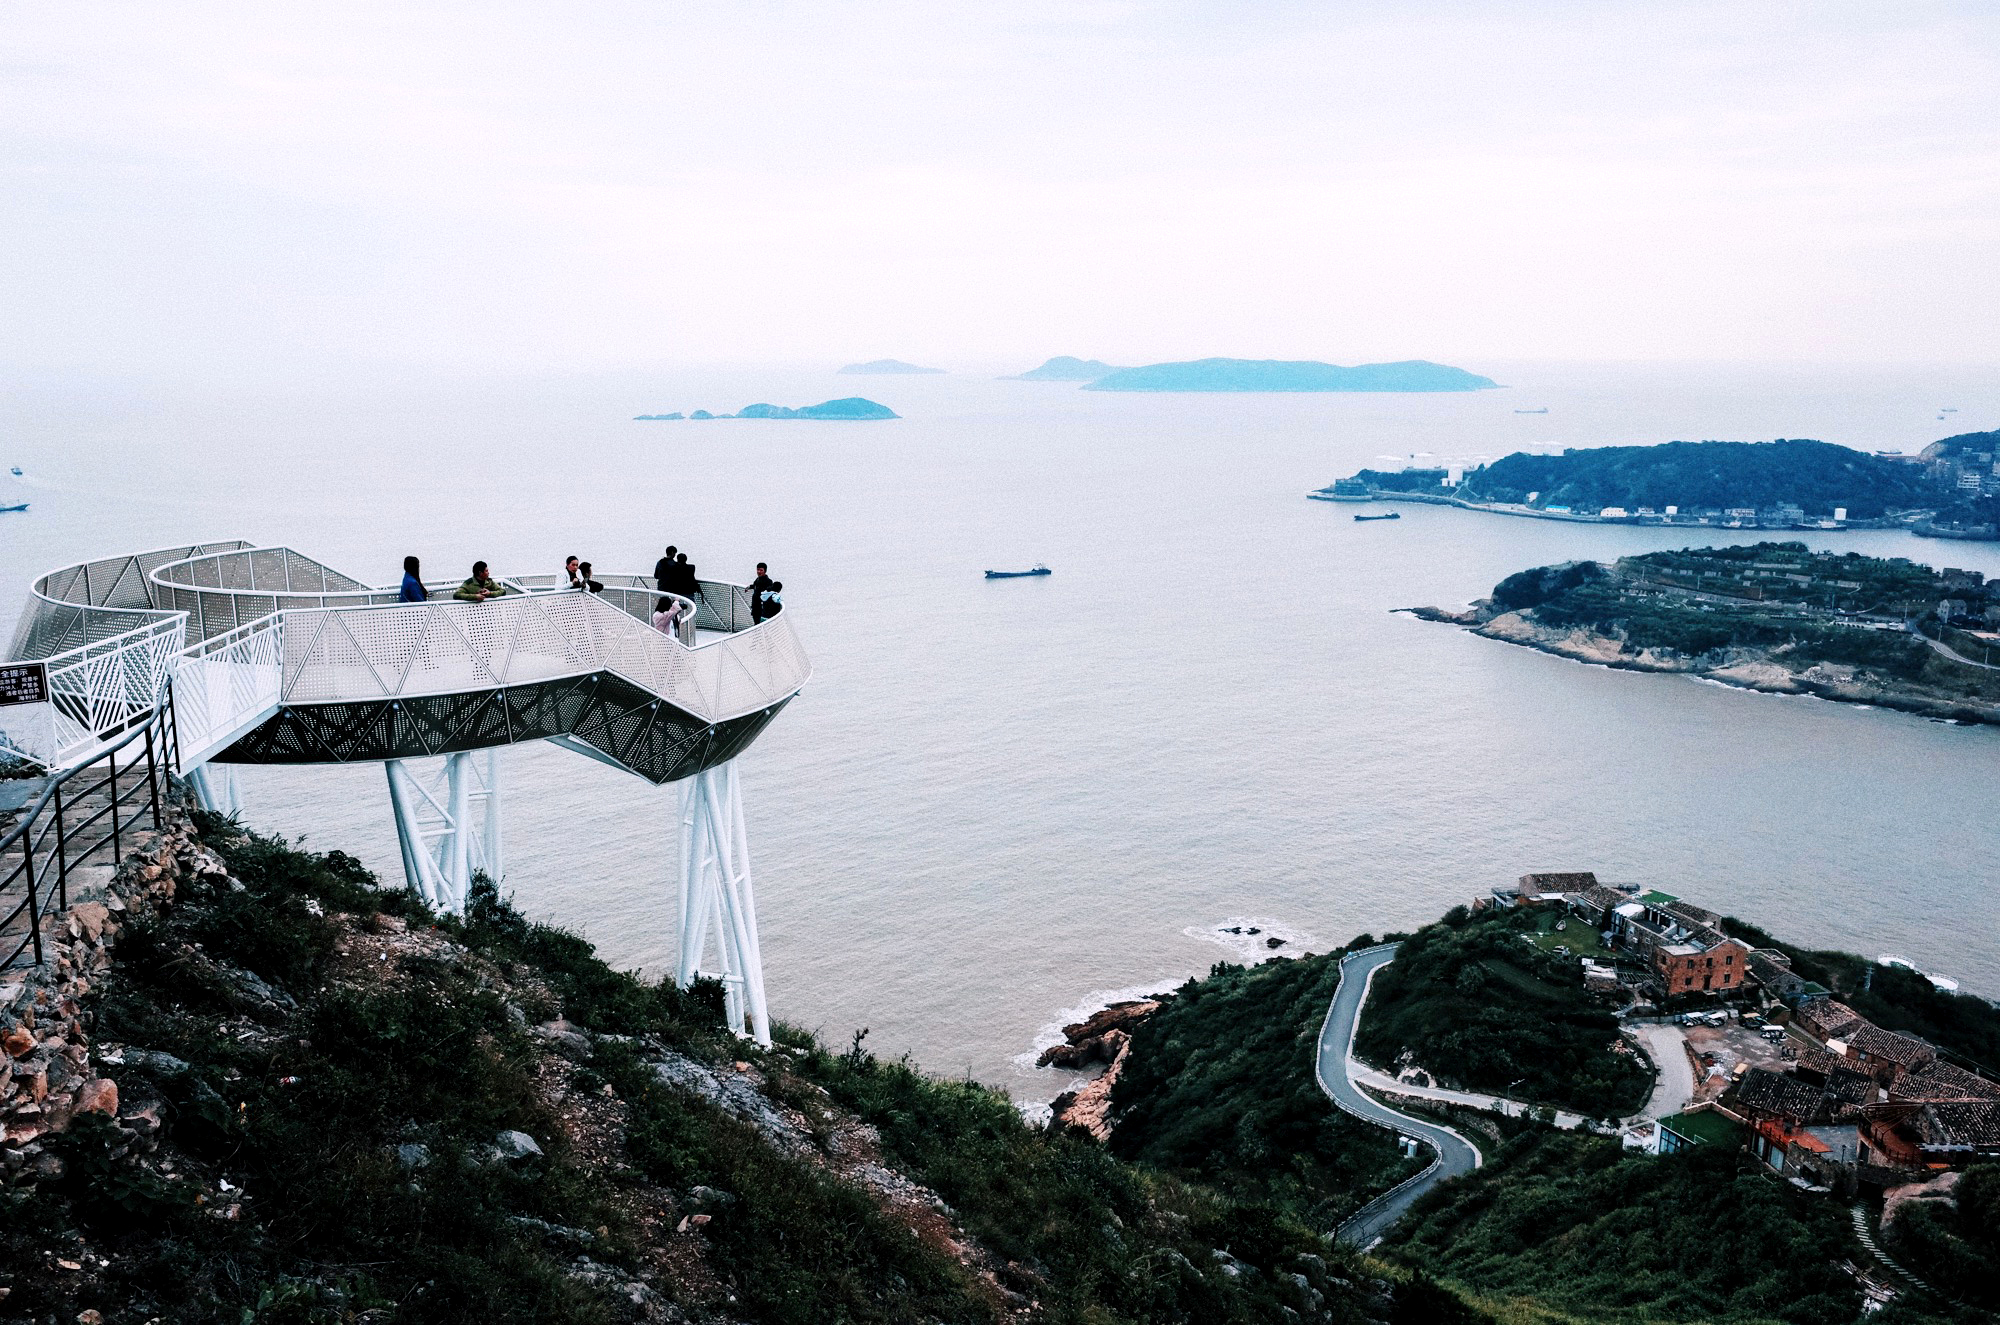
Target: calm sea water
[(998, 802)]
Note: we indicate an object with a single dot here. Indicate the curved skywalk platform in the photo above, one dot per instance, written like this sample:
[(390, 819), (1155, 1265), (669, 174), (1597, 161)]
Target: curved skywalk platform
[(261, 655), (276, 658)]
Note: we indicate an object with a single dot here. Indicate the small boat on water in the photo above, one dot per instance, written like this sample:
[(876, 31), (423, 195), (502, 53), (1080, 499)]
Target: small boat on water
[(1017, 574), (1543, 410), (1392, 515), (22, 507), (15, 471)]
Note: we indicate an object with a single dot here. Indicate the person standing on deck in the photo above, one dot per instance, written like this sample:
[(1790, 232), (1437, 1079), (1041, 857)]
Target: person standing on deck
[(757, 588), (570, 580), (480, 587), (413, 584)]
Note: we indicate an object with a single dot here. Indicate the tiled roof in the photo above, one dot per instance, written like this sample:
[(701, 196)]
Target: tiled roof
[(1695, 917), (1872, 1040), (1778, 1095), (1962, 1124), (1939, 1081), (1603, 898), (1829, 1019), (1770, 969), (1558, 882)]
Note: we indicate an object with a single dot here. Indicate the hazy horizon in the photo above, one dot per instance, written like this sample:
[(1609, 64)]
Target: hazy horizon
[(226, 188)]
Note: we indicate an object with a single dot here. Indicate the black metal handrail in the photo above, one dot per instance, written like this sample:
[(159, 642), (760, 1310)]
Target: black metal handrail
[(74, 842)]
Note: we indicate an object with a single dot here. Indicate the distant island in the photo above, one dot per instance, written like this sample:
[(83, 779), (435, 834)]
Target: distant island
[(886, 368), (1066, 368), (1949, 491), (1281, 375), (847, 408), (1776, 617)]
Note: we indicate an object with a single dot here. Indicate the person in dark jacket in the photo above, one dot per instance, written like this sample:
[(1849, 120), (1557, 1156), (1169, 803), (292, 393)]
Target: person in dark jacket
[(413, 583), (757, 588), (663, 577), (583, 580), (687, 583), (774, 601)]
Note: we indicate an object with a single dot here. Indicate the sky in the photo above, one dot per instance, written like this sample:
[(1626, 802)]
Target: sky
[(233, 187)]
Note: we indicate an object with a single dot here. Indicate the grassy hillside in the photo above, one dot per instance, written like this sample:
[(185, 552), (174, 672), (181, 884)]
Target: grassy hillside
[(1477, 1003), (1578, 1230), (1220, 1085), (319, 1080)]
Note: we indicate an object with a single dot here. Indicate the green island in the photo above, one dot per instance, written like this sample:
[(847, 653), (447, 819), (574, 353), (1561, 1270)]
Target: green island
[(1291, 375), (1777, 617), (1949, 490), (1066, 368), (847, 408)]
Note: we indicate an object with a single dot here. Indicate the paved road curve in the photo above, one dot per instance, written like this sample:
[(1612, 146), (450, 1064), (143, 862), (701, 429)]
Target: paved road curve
[(1337, 1068)]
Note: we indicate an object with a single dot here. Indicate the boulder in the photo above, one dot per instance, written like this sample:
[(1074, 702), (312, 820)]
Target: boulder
[(99, 1095), (513, 1145)]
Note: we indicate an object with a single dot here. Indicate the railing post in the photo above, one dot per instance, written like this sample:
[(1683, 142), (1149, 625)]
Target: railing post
[(62, 854), (152, 769), (34, 912), (174, 727), (117, 844)]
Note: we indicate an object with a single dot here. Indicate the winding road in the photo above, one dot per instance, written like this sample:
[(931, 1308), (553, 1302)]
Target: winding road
[(1337, 1071)]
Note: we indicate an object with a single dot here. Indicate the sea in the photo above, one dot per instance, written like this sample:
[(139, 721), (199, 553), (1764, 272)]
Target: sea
[(1000, 804)]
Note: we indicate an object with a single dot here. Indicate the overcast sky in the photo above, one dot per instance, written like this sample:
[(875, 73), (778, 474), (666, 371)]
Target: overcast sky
[(617, 184)]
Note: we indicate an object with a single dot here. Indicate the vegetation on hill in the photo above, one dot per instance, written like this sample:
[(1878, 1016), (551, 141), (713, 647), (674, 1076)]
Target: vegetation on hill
[(337, 1077), (1956, 1247), (1963, 1025), (1563, 1226), (1473, 1001), (1220, 1085), (1814, 476), (1775, 616)]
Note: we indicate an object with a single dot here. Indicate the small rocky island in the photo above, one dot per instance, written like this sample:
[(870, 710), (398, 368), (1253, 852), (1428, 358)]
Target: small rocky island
[(847, 408), (886, 368), (1066, 368), (1297, 375), (1776, 617)]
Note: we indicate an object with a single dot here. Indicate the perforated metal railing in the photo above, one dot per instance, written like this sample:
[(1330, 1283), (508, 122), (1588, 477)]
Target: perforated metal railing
[(337, 655), (273, 626)]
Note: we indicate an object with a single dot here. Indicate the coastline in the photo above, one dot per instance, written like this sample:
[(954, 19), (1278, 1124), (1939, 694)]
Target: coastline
[(1741, 669)]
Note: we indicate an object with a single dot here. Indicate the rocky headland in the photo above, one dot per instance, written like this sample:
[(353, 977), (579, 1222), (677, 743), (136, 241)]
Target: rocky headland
[(1620, 617)]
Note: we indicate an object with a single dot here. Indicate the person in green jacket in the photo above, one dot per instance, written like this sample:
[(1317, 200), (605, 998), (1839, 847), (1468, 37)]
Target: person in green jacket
[(480, 587)]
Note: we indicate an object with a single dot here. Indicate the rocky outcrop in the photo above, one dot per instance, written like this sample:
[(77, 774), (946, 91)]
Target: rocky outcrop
[(1103, 1037), (1099, 1038), (49, 1072)]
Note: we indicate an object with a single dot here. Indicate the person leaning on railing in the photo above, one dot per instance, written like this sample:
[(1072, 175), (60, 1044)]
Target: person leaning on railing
[(480, 587)]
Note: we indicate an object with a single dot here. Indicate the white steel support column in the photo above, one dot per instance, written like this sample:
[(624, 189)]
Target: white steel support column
[(215, 787), (444, 840), (717, 898)]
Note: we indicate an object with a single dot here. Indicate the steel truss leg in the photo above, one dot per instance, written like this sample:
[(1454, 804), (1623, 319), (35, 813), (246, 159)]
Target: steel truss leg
[(444, 843), (216, 788), (716, 897)]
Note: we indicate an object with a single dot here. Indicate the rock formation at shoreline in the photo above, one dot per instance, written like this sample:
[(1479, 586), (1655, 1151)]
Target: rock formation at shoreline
[(1103, 1037)]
